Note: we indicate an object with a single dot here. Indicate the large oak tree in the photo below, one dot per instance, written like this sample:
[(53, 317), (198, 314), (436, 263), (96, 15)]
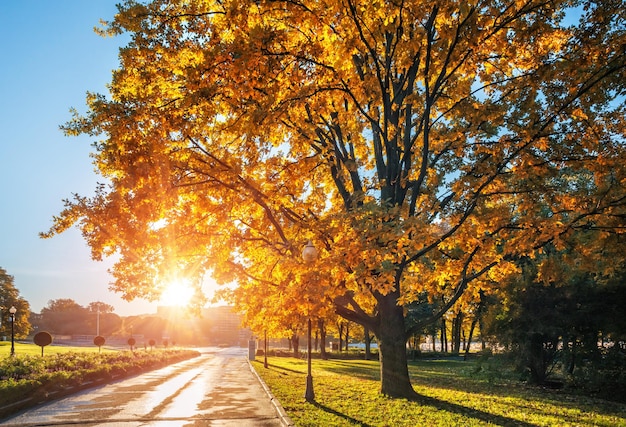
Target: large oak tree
[(419, 145)]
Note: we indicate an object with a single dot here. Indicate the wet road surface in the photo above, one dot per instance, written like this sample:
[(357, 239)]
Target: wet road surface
[(216, 389)]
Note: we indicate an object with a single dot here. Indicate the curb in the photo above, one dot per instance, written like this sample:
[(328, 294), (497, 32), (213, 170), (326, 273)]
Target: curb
[(284, 418)]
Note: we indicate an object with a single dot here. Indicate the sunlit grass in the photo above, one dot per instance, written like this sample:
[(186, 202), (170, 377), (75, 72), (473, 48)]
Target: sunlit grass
[(452, 394), (35, 350)]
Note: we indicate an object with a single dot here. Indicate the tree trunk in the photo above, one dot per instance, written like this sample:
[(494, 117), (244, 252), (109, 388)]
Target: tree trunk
[(454, 333), (340, 330), (322, 329), (295, 342), (471, 335), (444, 336), (536, 358), (368, 342), (457, 327), (394, 371), (572, 360), (347, 335)]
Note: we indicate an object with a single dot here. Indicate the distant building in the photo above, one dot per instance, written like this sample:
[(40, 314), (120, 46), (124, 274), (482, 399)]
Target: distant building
[(226, 326), (214, 326)]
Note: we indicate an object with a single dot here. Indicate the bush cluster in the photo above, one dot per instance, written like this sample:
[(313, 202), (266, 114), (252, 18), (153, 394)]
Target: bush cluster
[(605, 377)]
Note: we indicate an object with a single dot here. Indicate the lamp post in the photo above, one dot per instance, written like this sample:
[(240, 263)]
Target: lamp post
[(265, 348), (98, 321), (12, 312), (309, 255)]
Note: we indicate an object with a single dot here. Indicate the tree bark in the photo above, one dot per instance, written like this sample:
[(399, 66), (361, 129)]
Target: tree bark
[(475, 321), (295, 342), (389, 327), (394, 371), (444, 337), (322, 329), (340, 331), (471, 336), (457, 327), (368, 343)]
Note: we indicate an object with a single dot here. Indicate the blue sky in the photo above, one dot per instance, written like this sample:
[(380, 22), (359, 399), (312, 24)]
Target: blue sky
[(50, 58)]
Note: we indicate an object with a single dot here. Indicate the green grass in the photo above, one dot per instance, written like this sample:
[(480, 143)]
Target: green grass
[(35, 350), (453, 393)]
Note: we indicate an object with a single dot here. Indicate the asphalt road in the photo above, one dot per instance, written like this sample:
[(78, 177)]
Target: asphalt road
[(216, 389)]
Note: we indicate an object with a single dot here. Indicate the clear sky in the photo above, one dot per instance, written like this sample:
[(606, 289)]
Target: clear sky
[(50, 57)]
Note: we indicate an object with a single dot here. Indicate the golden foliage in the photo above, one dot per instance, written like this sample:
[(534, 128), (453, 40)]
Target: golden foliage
[(421, 146)]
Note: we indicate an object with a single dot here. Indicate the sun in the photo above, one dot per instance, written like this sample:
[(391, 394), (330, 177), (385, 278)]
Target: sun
[(177, 293)]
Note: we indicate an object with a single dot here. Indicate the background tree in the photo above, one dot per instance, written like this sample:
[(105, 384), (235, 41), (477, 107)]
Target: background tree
[(99, 306), (557, 316), (10, 297), (420, 146), (65, 316), (416, 312), (533, 324), (36, 321)]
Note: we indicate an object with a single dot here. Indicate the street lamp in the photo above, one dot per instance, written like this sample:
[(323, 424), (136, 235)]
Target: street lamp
[(265, 348), (309, 255), (12, 312), (98, 321)]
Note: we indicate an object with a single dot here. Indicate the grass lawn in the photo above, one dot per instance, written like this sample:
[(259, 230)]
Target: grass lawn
[(453, 393), (35, 350)]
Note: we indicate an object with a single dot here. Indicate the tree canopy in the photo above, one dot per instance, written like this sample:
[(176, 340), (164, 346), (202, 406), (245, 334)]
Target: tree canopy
[(66, 317), (420, 146), (10, 297)]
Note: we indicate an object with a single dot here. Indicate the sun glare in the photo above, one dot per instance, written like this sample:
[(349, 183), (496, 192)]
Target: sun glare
[(177, 294)]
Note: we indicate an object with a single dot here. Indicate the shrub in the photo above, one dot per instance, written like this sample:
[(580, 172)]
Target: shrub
[(20, 367), (605, 378)]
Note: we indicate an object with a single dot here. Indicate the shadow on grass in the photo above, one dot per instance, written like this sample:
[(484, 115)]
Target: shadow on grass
[(441, 405), (361, 369), (339, 414), (469, 412), (367, 370), (282, 368)]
